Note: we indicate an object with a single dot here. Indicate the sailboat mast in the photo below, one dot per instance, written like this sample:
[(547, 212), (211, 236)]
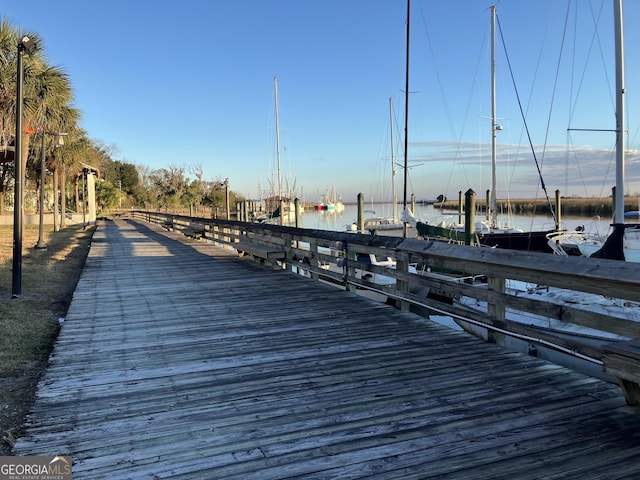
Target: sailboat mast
[(406, 120), (620, 126), (494, 127), (393, 162), (275, 90)]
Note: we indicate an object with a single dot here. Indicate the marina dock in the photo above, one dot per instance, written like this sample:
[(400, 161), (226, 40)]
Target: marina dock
[(179, 359)]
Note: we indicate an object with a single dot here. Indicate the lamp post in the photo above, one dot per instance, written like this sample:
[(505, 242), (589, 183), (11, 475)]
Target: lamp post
[(25, 44), (226, 193), (43, 167)]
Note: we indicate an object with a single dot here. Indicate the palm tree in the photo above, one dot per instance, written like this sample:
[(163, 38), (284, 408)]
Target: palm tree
[(8, 43), (9, 39), (47, 95)]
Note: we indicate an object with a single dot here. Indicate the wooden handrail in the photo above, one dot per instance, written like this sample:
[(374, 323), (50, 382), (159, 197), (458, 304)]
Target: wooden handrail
[(451, 267)]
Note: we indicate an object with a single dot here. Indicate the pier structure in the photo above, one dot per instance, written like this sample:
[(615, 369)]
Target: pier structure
[(182, 359)]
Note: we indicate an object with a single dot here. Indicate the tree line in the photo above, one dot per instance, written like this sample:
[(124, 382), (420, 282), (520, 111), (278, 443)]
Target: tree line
[(53, 132)]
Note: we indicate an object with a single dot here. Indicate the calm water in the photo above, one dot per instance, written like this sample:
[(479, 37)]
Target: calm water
[(339, 221)]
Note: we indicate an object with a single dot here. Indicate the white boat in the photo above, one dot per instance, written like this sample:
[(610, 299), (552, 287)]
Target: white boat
[(580, 242), (623, 241), (336, 206), (593, 245), (330, 202), (382, 224)]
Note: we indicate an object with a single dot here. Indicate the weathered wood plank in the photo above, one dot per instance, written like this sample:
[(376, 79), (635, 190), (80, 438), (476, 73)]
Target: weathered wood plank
[(177, 360)]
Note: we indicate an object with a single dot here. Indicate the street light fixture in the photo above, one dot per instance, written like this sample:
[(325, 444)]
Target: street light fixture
[(25, 44), (226, 192), (43, 167)]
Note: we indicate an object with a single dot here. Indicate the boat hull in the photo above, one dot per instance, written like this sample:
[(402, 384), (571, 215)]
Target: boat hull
[(527, 241)]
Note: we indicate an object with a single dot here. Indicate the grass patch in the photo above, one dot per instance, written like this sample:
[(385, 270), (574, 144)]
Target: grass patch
[(29, 324)]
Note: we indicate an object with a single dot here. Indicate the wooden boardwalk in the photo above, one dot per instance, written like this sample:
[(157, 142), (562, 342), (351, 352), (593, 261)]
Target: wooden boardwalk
[(180, 360)]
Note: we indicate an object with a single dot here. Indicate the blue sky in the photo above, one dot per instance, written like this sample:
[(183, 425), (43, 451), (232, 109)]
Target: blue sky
[(191, 84)]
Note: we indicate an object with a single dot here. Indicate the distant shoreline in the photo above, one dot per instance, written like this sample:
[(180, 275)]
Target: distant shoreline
[(584, 207)]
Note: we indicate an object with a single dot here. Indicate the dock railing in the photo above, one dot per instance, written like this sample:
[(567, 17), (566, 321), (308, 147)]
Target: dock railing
[(472, 285)]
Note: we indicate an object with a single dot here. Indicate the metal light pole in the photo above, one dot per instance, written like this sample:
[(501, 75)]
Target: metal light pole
[(226, 193), (24, 45)]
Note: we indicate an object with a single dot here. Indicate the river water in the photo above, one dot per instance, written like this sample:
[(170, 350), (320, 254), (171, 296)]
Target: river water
[(335, 221)]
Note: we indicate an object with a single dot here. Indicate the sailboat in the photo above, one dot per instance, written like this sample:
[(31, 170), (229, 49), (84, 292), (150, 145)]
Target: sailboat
[(489, 233), (623, 241), (280, 207), (385, 225), (381, 223), (391, 225)]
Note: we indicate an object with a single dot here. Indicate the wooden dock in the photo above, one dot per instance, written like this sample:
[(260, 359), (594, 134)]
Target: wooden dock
[(180, 360)]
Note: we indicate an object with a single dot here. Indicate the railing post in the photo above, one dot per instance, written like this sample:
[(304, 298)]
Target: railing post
[(620, 359), (289, 245), (360, 226), (496, 310), (487, 202), (226, 194), (313, 251), (469, 217), (558, 211), (349, 272)]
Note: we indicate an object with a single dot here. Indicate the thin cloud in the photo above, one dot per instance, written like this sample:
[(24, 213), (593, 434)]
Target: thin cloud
[(574, 170)]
